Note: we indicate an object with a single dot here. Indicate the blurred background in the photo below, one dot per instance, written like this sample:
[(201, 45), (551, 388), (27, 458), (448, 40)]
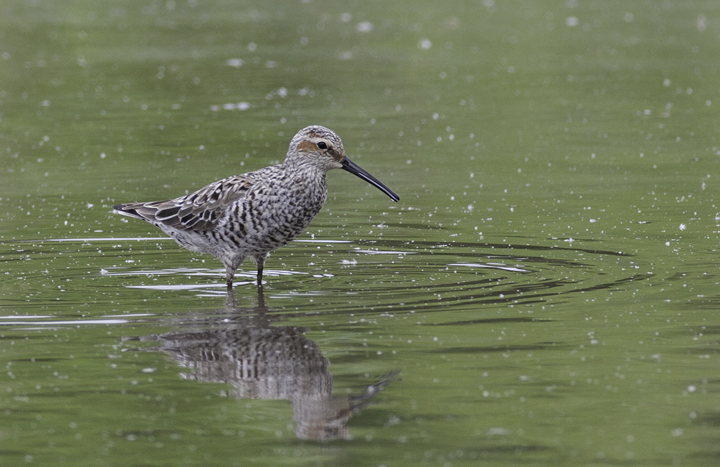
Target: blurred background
[(544, 293)]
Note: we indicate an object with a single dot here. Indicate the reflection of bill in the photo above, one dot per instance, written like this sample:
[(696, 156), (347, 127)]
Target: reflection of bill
[(261, 361)]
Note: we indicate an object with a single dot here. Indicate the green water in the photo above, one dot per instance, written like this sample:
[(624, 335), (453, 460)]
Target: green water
[(544, 293)]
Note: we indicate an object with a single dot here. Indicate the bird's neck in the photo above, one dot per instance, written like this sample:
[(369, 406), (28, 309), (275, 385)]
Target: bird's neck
[(304, 165)]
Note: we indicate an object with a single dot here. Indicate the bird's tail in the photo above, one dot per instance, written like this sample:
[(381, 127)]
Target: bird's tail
[(144, 211)]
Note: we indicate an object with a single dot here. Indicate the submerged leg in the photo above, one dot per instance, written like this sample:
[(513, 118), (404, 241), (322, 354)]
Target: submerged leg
[(230, 268), (229, 274), (260, 261)]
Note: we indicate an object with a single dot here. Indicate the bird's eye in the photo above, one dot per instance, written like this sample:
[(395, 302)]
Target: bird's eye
[(322, 145)]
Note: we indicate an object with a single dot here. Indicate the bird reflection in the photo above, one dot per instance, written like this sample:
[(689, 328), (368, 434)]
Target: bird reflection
[(241, 348)]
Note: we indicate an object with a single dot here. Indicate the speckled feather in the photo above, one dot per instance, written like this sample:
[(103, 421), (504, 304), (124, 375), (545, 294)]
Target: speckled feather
[(255, 213)]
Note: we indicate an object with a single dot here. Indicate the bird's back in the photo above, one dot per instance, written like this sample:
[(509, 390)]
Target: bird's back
[(255, 212), (198, 211)]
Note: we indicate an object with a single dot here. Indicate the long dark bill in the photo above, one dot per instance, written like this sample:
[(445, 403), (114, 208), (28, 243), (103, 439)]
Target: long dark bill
[(358, 171)]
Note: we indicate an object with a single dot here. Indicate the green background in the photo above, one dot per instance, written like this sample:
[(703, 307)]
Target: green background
[(547, 285)]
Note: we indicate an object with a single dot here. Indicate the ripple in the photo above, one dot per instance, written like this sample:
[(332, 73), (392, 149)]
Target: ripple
[(442, 276), (42, 322), (501, 267)]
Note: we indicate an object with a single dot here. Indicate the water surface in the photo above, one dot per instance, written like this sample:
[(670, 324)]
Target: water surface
[(545, 292)]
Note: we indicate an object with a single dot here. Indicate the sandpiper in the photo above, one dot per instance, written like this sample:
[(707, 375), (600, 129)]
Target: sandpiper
[(252, 214)]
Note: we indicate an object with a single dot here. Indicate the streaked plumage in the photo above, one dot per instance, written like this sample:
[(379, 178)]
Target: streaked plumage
[(252, 214)]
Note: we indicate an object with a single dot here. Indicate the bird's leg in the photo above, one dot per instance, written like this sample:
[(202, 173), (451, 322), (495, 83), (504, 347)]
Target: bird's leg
[(260, 261), (229, 274), (231, 266)]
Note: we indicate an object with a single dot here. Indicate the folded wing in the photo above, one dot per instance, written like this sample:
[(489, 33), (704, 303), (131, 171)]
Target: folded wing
[(197, 211)]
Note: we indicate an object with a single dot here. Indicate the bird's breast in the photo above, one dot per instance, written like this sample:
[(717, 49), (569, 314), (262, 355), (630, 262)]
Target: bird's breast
[(273, 214)]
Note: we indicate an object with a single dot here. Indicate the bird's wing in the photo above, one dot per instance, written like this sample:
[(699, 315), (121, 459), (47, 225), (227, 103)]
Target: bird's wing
[(197, 211)]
